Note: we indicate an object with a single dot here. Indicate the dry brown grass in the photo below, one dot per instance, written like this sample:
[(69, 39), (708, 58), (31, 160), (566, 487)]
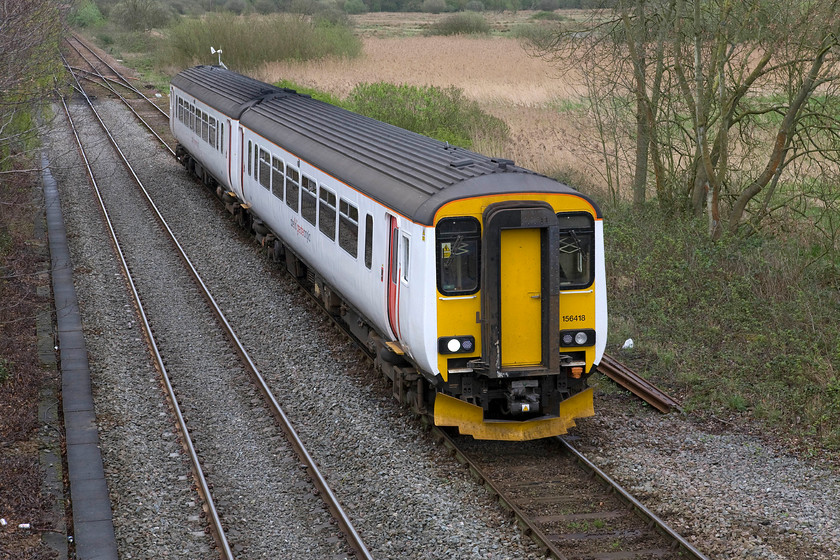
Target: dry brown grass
[(495, 71)]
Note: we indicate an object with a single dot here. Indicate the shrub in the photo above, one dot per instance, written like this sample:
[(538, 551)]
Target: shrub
[(466, 23), (444, 114), (140, 15), (87, 14), (355, 7), (265, 6), (548, 16), (253, 40), (433, 6), (474, 6), (546, 5)]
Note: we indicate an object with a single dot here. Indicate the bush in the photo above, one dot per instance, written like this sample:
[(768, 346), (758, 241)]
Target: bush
[(474, 6), (433, 6), (87, 14), (251, 41), (355, 7), (444, 114), (141, 15), (466, 23), (548, 16)]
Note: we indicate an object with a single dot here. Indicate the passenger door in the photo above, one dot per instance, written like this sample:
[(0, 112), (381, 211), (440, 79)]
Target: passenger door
[(393, 289)]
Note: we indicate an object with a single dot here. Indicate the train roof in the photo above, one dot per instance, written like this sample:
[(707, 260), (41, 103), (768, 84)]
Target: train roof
[(413, 174)]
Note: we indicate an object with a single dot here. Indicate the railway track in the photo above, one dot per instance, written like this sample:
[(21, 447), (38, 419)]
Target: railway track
[(218, 522), (571, 508), (598, 519), (638, 385)]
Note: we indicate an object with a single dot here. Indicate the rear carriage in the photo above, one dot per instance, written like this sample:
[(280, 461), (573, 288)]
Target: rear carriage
[(479, 284)]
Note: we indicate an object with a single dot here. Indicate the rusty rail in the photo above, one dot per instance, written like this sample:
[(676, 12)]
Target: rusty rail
[(637, 385)]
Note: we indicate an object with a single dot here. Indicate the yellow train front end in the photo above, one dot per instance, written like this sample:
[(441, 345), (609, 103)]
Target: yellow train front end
[(521, 310)]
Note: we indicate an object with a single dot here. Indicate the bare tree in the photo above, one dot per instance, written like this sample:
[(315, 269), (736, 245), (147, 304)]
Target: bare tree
[(30, 31), (732, 98)]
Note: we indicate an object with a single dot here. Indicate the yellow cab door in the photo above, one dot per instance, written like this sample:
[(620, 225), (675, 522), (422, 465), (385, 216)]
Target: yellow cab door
[(521, 299)]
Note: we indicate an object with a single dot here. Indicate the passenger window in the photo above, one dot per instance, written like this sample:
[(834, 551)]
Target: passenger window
[(309, 199), (348, 227), (577, 240), (368, 241), (326, 210), (292, 187), (211, 135), (458, 254), (204, 126), (191, 111), (265, 169), (222, 137), (405, 254), (249, 158), (277, 177)]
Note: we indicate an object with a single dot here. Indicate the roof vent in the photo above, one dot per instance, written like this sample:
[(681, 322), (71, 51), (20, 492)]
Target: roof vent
[(502, 163)]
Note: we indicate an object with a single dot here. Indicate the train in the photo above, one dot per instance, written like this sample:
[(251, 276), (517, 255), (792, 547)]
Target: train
[(478, 285)]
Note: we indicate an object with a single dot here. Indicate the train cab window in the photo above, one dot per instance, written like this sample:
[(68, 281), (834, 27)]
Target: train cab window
[(250, 148), (292, 187), (348, 227), (308, 199), (326, 213), (277, 177), (458, 255), (369, 241), (577, 239), (264, 170)]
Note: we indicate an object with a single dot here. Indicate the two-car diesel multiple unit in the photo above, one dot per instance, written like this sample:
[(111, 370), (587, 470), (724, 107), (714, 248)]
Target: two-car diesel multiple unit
[(479, 284)]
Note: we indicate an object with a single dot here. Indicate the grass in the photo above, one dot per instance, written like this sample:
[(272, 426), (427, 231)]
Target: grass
[(740, 327)]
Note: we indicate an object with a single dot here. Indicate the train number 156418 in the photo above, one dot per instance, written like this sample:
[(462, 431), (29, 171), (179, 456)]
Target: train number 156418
[(573, 318)]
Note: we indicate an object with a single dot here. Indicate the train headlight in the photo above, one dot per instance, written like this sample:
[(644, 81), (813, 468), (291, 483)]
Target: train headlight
[(456, 344), (583, 337)]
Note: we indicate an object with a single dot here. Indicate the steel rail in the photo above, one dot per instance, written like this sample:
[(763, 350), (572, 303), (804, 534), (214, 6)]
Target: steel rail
[(525, 524), (203, 488), (352, 537), (126, 83), (640, 508), (637, 385), (123, 99)]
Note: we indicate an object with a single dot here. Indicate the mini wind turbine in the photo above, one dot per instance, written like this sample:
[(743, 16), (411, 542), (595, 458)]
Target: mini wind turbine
[(218, 52)]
